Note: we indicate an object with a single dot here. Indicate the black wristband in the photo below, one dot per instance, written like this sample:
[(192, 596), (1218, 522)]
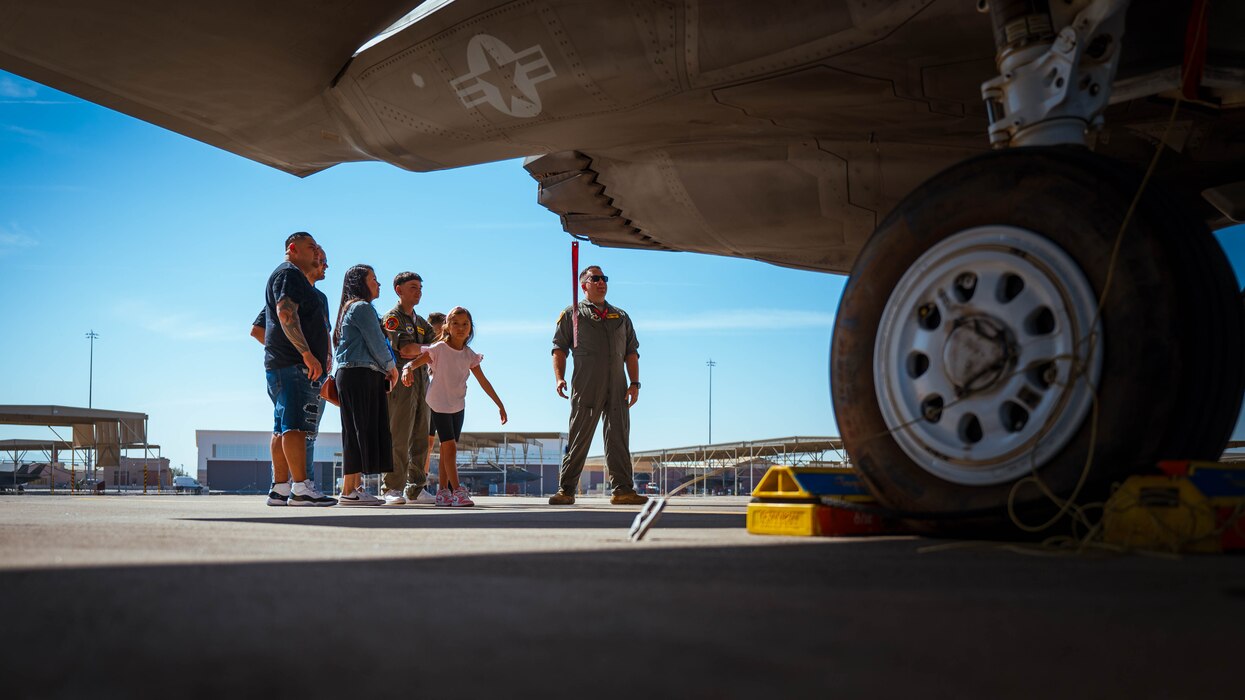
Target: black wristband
[(635, 384)]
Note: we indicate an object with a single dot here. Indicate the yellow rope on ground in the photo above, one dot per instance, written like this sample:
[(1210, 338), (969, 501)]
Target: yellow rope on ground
[(1068, 505), (1093, 535)]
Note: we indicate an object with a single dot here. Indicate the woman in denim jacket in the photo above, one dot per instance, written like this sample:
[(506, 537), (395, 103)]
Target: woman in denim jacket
[(365, 373)]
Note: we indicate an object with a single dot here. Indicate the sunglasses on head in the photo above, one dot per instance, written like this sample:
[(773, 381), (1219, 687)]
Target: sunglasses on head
[(598, 278)]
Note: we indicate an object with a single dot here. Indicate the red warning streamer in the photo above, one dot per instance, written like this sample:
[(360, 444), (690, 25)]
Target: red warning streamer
[(574, 294), (1195, 41)]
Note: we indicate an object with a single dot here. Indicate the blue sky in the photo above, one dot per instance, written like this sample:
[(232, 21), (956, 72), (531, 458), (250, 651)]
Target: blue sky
[(162, 245)]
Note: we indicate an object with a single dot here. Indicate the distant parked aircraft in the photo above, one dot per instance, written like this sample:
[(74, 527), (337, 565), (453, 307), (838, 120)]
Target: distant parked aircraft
[(15, 476)]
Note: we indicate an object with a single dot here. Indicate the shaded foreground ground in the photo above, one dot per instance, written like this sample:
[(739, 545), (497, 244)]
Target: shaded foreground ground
[(214, 596)]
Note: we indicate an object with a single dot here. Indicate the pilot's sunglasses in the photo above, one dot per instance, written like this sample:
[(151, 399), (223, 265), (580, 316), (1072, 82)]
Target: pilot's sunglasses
[(598, 278)]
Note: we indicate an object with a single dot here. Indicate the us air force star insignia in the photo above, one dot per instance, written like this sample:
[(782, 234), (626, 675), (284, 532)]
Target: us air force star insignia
[(490, 56), (391, 323)]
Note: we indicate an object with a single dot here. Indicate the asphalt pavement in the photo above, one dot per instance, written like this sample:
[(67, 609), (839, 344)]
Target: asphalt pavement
[(210, 596)]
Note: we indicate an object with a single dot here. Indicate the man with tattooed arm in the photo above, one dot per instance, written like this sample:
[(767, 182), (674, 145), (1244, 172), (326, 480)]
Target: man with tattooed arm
[(295, 357), (258, 327)]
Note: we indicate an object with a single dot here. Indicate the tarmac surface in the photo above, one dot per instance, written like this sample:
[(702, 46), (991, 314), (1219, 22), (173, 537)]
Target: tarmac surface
[(208, 596)]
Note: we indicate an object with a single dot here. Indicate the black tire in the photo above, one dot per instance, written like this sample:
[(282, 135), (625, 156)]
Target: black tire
[(1172, 374)]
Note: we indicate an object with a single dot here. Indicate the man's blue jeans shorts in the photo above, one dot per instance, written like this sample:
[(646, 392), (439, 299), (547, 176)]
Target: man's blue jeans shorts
[(295, 400)]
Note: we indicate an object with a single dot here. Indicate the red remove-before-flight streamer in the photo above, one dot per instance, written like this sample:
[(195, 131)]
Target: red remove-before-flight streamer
[(574, 294)]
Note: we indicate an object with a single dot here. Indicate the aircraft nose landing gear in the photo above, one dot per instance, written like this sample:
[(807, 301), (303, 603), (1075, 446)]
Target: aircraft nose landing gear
[(970, 350), (1005, 338)]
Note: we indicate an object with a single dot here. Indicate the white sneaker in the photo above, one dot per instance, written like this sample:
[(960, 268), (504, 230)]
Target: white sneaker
[(424, 498), (279, 495), (359, 497), (394, 497), (305, 493)]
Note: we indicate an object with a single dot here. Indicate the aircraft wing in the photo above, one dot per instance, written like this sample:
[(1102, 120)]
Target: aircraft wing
[(774, 131), (782, 132), (248, 77)]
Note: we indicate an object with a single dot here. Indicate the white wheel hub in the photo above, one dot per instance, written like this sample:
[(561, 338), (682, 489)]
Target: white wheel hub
[(984, 363)]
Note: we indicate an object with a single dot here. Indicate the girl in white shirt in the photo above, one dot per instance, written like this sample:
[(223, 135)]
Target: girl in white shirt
[(451, 361)]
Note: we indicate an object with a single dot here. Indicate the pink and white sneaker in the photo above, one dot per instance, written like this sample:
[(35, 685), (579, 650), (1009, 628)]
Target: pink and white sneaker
[(443, 498), (461, 499)]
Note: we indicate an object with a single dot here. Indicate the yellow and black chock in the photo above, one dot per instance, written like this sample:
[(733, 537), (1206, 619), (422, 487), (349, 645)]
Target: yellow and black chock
[(799, 501)]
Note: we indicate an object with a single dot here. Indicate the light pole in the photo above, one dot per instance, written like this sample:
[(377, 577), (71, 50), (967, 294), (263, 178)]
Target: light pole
[(711, 364), (90, 387)]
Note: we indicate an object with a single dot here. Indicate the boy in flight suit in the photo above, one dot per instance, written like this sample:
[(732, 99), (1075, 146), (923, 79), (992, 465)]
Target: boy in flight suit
[(409, 415)]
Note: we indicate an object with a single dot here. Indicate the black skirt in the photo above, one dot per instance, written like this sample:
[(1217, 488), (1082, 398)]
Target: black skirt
[(366, 443)]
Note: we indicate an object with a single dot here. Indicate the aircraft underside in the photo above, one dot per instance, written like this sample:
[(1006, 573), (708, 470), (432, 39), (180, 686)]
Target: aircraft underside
[(1033, 312)]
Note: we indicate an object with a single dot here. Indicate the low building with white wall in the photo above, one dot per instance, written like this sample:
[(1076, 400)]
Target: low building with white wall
[(240, 461)]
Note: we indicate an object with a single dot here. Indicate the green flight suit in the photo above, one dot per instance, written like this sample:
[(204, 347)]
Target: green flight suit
[(409, 415), (598, 388)]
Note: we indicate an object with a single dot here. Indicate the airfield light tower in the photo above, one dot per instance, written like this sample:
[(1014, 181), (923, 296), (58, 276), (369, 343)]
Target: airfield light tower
[(711, 364), (90, 385)]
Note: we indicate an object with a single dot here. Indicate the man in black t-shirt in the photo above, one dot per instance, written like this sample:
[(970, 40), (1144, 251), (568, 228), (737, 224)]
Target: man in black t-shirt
[(296, 343), (258, 327)]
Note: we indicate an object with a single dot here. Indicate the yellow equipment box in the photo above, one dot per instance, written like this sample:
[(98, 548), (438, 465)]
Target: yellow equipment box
[(1194, 507)]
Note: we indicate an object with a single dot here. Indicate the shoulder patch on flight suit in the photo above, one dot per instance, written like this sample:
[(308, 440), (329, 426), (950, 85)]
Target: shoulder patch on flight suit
[(391, 323)]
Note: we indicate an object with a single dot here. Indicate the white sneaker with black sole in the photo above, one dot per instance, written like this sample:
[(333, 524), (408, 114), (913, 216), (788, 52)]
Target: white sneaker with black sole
[(359, 497), (279, 495), (305, 493)]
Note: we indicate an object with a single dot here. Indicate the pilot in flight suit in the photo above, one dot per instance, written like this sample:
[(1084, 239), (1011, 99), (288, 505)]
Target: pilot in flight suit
[(606, 353)]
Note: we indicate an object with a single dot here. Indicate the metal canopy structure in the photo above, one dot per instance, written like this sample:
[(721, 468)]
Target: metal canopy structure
[(63, 415), (511, 453), (731, 459), (796, 448), (509, 459), (102, 434), (34, 445), (22, 446), (490, 441)]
